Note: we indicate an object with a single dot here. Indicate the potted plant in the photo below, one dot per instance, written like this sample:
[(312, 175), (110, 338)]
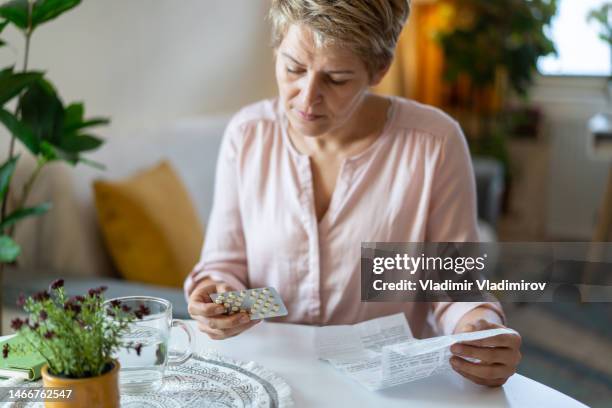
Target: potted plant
[(491, 49), (48, 129), (77, 337)]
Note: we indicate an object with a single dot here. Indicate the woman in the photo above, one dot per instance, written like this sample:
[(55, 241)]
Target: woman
[(303, 179)]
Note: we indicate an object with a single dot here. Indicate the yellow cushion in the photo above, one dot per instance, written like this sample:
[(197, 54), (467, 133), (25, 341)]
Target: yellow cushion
[(150, 225)]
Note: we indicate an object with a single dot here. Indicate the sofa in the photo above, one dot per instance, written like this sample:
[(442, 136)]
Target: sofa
[(67, 242)]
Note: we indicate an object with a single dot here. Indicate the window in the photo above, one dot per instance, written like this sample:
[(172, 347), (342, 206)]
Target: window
[(581, 51)]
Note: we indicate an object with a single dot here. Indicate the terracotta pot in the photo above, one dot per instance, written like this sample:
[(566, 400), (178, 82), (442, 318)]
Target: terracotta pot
[(93, 392)]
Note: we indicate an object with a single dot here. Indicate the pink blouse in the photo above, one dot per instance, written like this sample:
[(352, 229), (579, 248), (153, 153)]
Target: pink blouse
[(414, 183)]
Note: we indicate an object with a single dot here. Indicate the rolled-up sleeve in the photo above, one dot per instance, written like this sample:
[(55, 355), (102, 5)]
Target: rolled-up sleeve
[(223, 256), (453, 218)]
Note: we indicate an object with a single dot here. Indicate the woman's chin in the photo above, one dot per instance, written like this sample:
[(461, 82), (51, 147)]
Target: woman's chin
[(310, 128)]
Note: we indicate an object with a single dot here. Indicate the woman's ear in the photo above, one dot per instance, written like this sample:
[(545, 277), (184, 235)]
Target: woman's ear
[(380, 74)]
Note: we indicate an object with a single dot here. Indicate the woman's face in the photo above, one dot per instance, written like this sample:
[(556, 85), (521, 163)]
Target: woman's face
[(320, 88)]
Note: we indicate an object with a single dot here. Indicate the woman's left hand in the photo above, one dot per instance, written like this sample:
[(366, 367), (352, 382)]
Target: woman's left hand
[(499, 355)]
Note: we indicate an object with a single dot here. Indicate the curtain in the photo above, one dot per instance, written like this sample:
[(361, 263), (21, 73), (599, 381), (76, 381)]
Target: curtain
[(416, 72)]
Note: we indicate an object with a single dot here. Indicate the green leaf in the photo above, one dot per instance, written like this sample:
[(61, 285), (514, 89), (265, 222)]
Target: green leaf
[(16, 11), (92, 163), (73, 119), (2, 25), (11, 84), (86, 124), (45, 10), (53, 153), (16, 216), (43, 111), (20, 131), (80, 143), (9, 250), (73, 114), (6, 173)]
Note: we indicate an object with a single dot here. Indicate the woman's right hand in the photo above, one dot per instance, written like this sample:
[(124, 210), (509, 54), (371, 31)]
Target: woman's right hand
[(210, 316)]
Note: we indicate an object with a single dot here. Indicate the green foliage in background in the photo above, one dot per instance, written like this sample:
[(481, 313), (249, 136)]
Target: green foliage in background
[(42, 123), (603, 16), (508, 34)]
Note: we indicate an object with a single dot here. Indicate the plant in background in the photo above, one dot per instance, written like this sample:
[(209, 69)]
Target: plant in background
[(489, 36), (77, 336), (48, 129), (494, 47), (603, 16)]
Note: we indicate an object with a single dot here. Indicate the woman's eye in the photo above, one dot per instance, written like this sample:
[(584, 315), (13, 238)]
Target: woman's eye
[(294, 70), (338, 82)]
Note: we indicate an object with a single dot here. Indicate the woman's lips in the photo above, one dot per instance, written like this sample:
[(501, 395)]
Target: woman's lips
[(308, 117)]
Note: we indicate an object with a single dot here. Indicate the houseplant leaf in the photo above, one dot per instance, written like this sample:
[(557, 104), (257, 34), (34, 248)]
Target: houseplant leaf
[(45, 10), (2, 25), (20, 131), (9, 250), (23, 213), (43, 111), (75, 143), (16, 11), (53, 153), (73, 118), (11, 84), (6, 173)]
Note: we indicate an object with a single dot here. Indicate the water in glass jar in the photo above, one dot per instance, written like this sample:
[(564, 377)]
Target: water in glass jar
[(144, 372)]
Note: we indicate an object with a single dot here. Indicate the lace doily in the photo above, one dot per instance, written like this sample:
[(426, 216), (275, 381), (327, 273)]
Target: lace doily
[(206, 381)]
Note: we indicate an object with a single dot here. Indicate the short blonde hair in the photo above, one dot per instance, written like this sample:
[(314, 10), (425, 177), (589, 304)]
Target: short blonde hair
[(369, 28)]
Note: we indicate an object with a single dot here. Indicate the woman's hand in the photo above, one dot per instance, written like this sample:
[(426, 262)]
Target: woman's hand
[(499, 355), (209, 315)]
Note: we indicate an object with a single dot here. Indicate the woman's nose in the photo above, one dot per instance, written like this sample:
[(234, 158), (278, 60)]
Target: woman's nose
[(310, 91)]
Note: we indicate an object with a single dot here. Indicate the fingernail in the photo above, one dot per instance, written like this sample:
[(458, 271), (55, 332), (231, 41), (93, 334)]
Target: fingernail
[(456, 349)]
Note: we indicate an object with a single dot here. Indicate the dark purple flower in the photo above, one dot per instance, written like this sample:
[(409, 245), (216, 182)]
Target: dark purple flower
[(41, 296), (49, 334), (16, 323), (34, 326), (102, 289), (115, 303), (138, 348), (138, 314), (21, 300), (92, 292), (79, 298), (126, 308), (71, 306), (43, 315), (5, 351), (58, 283)]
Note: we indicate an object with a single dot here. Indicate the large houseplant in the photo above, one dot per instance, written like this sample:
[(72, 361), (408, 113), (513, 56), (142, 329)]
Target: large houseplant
[(491, 50), (48, 129), (77, 337)]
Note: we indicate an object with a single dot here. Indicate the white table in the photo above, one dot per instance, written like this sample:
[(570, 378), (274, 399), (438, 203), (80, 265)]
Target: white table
[(288, 350)]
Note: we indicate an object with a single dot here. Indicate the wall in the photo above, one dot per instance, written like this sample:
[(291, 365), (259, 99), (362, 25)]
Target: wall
[(145, 63), (576, 180)]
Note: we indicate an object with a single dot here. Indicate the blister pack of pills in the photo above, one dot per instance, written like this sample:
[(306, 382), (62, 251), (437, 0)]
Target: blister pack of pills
[(258, 303)]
